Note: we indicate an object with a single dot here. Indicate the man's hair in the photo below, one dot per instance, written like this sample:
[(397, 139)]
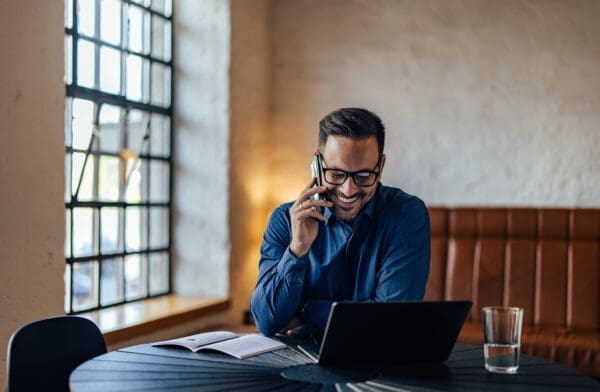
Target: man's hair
[(354, 123)]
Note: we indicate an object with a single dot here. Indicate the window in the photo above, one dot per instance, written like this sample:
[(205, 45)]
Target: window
[(118, 132)]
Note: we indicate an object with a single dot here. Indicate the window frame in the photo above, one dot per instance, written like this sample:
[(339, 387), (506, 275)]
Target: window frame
[(125, 105)]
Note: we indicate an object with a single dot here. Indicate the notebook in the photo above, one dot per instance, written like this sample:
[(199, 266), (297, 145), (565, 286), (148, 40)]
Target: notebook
[(363, 333)]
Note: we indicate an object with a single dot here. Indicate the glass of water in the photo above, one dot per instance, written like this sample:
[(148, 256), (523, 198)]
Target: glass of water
[(502, 327)]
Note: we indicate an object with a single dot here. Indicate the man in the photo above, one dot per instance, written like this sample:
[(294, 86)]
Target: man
[(360, 241)]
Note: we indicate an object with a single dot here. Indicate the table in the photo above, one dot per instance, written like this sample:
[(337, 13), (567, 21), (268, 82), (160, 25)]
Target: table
[(144, 367)]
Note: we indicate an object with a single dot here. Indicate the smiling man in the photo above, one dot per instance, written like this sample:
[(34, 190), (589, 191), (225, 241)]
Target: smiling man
[(359, 241)]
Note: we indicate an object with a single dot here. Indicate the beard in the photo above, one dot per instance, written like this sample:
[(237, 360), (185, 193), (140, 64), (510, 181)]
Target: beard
[(347, 207)]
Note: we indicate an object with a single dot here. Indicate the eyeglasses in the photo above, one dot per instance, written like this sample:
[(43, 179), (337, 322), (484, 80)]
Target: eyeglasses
[(362, 178)]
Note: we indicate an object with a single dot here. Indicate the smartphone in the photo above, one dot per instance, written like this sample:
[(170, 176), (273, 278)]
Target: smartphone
[(315, 169)]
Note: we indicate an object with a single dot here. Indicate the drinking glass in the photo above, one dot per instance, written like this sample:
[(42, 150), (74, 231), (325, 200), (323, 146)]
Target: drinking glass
[(502, 327)]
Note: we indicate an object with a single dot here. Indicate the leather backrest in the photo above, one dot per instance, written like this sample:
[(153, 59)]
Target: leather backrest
[(545, 260)]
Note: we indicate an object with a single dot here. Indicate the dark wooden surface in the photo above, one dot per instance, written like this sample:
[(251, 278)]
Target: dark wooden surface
[(144, 367)]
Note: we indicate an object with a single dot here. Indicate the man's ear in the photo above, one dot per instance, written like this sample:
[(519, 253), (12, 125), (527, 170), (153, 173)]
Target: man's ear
[(381, 164)]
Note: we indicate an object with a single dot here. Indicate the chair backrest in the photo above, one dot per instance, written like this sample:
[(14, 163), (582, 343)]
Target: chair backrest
[(42, 354)]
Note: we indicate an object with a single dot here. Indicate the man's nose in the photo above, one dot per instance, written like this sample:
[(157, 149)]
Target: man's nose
[(349, 188)]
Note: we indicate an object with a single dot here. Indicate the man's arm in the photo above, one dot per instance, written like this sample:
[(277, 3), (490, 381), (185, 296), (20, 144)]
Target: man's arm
[(278, 292)]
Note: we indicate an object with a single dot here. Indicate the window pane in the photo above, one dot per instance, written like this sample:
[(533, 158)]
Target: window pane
[(160, 135), (86, 189), (159, 181), (134, 77), (161, 38), (108, 178), (111, 279), (162, 6), (135, 276), (159, 273), (84, 285), (159, 227), (83, 117), (136, 225), (110, 129), (110, 238), (110, 21), (68, 179), (69, 13), (161, 85), (68, 233), (85, 63), (69, 122), (68, 77), (110, 70), (135, 179), (86, 15), (136, 129), (139, 30), (83, 233)]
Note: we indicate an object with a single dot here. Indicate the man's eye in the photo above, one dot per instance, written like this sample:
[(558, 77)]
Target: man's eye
[(337, 175), (363, 175)]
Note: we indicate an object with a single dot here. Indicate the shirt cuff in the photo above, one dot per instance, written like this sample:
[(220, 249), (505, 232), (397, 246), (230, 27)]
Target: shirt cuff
[(291, 267)]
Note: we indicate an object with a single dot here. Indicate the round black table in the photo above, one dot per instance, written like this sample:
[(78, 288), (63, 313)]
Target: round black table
[(144, 367)]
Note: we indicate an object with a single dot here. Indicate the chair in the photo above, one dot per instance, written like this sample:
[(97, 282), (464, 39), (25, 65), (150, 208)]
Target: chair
[(42, 354)]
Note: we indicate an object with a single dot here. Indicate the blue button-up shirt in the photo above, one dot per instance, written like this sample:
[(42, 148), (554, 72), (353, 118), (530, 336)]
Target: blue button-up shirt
[(382, 256)]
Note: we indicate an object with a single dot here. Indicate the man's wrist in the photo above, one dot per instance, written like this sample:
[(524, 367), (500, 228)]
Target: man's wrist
[(297, 253)]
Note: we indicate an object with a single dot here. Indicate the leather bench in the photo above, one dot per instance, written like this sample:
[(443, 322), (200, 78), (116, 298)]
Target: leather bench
[(545, 260)]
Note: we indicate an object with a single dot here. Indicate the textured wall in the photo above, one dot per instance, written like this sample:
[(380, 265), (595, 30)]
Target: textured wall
[(485, 102), (249, 78), (201, 244), (32, 151)]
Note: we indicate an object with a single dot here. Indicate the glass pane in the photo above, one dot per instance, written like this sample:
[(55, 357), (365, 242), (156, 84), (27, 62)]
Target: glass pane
[(84, 285), (68, 233), (135, 174), (110, 21), (162, 6), (160, 135), (69, 13), (142, 2), (110, 70), (161, 85), (111, 279), (110, 129), (136, 226), (86, 189), (110, 239), (85, 63), (135, 276), (137, 122), (161, 38), (68, 180), (134, 78), (69, 122), (83, 231), (108, 178), (159, 273), (159, 227), (86, 16), (83, 118), (159, 181), (68, 77), (139, 30)]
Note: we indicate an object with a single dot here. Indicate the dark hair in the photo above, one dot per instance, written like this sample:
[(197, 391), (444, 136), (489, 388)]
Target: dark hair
[(355, 123)]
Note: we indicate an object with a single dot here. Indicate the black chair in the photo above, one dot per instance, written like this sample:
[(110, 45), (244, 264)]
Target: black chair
[(42, 354)]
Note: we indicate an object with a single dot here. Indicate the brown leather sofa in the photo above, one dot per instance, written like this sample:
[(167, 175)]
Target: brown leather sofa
[(545, 260)]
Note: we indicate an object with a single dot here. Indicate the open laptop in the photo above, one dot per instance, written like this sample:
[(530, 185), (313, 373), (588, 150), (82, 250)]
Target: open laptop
[(363, 333)]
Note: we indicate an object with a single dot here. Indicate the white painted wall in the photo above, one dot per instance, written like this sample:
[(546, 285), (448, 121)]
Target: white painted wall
[(485, 102)]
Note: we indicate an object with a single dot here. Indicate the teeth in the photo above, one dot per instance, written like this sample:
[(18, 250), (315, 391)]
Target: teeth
[(347, 200)]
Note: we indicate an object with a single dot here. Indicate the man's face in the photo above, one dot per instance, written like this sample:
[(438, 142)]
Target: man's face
[(350, 155)]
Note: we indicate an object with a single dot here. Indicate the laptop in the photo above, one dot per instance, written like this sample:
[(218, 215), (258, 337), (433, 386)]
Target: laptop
[(367, 333)]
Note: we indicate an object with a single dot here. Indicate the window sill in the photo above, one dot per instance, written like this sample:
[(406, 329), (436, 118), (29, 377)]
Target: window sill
[(130, 320)]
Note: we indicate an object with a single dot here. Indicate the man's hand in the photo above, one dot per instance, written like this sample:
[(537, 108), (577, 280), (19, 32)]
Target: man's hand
[(305, 217)]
